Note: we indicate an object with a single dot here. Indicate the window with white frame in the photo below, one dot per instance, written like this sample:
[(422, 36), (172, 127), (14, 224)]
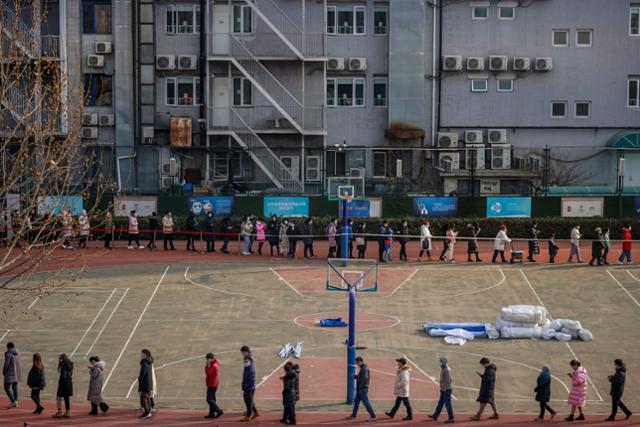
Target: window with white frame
[(379, 164), (242, 19), (242, 91), (331, 20), (183, 19), (633, 98), (506, 13), (346, 20), (480, 12), (584, 38), (380, 92), (582, 109), (558, 109), (183, 91), (505, 85), (345, 92), (479, 85), (634, 21), (380, 20), (312, 169), (560, 38)]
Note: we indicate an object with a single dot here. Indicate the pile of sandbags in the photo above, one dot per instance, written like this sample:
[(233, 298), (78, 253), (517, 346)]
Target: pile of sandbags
[(566, 330)]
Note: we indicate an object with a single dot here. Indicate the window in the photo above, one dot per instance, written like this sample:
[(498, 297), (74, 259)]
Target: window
[(380, 20), (242, 91), (558, 109), (380, 92), (480, 12), (183, 91), (560, 38), (379, 164), (583, 38), (583, 109), (242, 16), (634, 21), (346, 92), (97, 90), (507, 13), (505, 85), (331, 19), (350, 20), (96, 17), (336, 163), (183, 19), (633, 101), (478, 85)]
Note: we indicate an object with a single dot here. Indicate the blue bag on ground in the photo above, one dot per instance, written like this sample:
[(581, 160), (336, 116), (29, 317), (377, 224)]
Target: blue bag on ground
[(332, 323)]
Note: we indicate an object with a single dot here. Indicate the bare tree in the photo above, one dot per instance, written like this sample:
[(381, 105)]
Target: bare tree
[(565, 170)]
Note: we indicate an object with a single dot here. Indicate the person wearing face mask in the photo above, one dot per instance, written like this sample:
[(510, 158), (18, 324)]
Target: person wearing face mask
[(425, 240), (249, 384), (307, 238), (292, 234), (209, 229), (273, 230), (626, 245), (225, 229), (445, 392), (331, 236), (284, 238), (361, 240), (134, 233), (403, 236)]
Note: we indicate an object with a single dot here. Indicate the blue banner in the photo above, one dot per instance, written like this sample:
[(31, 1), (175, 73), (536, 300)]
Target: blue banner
[(219, 205), (637, 205), (54, 205), (286, 206), (508, 207), (357, 209), (435, 206)]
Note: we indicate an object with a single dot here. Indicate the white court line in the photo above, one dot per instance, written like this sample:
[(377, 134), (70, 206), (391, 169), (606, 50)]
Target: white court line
[(566, 343), (126, 290), (624, 289), (285, 281), (5, 334), (632, 276), (33, 303), (265, 378), (133, 331), (405, 281), (92, 322)]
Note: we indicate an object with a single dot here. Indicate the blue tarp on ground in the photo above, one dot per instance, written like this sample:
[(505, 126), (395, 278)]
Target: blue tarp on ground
[(479, 330), (332, 323)]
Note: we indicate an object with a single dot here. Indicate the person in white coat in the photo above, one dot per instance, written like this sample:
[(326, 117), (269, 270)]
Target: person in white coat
[(575, 242), (500, 243), (451, 243), (134, 233), (425, 240), (401, 390), (85, 228)]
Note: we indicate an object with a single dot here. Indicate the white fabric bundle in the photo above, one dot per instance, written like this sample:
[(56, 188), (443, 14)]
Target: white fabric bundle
[(572, 332), (461, 333), (585, 335), (556, 325), (524, 314), (573, 325), (521, 332), (455, 340), (562, 337), (492, 333), (548, 333)]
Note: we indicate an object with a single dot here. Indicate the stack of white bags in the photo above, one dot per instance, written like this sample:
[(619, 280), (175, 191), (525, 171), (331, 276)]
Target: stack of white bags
[(529, 321)]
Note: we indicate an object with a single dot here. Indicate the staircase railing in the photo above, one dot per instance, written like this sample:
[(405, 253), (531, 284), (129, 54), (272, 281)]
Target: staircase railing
[(10, 20)]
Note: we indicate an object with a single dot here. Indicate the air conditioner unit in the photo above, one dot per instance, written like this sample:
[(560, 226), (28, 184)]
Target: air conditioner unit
[(187, 62), (166, 62), (89, 133), (501, 156), (475, 152), (107, 120), (544, 64), (497, 136), (475, 63), (335, 64), (167, 182), (498, 62), (449, 161), (313, 168), (521, 64), (102, 47), (447, 139), (357, 64), (357, 172), (473, 136), (147, 135), (89, 119), (95, 61), (452, 63)]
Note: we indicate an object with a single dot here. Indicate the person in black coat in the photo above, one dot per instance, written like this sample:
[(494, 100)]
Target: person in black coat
[(553, 248), (65, 386), (292, 234), (543, 392), (225, 229), (382, 232), (307, 238), (289, 395), (190, 227), (154, 226), (37, 382), (617, 381), (472, 243), (534, 247), (209, 229), (145, 382), (596, 248), (487, 387), (273, 235), (403, 233)]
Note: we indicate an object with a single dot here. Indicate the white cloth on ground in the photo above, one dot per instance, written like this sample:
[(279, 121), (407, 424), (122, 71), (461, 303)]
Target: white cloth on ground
[(461, 333), (562, 337), (455, 340)]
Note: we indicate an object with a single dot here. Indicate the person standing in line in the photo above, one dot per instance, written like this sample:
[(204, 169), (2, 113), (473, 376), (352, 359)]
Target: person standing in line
[(382, 231), (67, 229), (472, 243), (363, 380), (12, 374), (84, 229), (134, 233), (288, 395), (553, 248), (500, 243), (249, 389), (402, 239), (617, 381), (361, 240), (247, 353), (154, 226), (190, 227), (145, 382), (445, 243), (65, 387), (37, 382), (543, 392), (108, 229), (307, 231), (261, 229), (209, 225), (167, 231), (246, 228), (534, 247), (401, 390), (284, 238), (331, 238), (575, 244), (487, 387), (351, 238), (446, 392), (606, 245), (578, 395), (94, 395), (451, 243), (226, 229), (292, 235), (212, 379), (273, 231), (596, 248), (626, 245), (388, 243), (425, 240)]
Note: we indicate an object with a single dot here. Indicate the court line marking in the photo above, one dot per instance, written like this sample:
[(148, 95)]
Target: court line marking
[(282, 279), (115, 365), (632, 276), (126, 290), (5, 334), (624, 289), (266, 378), (415, 271), (92, 323), (33, 303), (331, 330), (566, 343)]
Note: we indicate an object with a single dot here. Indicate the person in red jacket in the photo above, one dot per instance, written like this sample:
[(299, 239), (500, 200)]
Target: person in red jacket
[(212, 373), (626, 245)]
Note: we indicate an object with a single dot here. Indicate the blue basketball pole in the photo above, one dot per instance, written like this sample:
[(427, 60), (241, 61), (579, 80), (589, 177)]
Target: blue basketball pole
[(344, 236), (351, 342)]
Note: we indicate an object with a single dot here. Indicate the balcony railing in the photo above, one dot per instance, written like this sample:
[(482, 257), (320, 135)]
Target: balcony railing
[(266, 118), (268, 45)]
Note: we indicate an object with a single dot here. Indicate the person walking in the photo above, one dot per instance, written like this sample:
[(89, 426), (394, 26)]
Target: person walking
[(65, 386), (292, 235), (575, 244), (226, 230), (94, 395), (553, 248), (403, 237), (451, 243), (12, 374), (289, 394), (445, 243), (249, 389), (246, 228), (134, 233), (67, 229), (543, 392), (331, 237), (382, 231), (212, 379), (108, 229), (363, 380), (167, 231), (606, 245), (596, 248), (446, 392), (617, 381), (84, 229), (273, 232), (361, 240), (578, 395), (261, 229), (36, 381), (500, 243), (487, 386), (307, 238), (626, 245), (534, 247), (145, 382), (401, 390), (190, 227), (388, 244), (425, 240), (154, 226), (472, 243), (284, 238), (209, 225)]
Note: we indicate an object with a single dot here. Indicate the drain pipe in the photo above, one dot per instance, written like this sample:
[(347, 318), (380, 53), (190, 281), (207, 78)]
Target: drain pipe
[(434, 70), (130, 156)]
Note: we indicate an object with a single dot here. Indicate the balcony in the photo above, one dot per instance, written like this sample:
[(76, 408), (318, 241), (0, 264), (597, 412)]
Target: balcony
[(266, 119)]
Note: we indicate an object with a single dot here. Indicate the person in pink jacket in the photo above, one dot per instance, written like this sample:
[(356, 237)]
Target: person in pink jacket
[(260, 234), (578, 395)]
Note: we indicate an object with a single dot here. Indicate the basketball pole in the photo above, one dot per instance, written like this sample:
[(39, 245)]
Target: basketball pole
[(351, 341)]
